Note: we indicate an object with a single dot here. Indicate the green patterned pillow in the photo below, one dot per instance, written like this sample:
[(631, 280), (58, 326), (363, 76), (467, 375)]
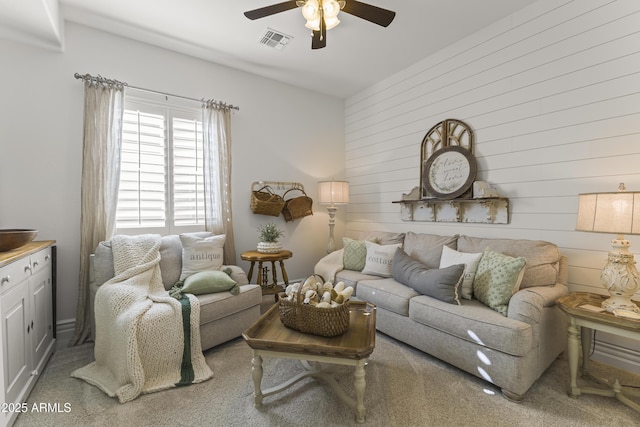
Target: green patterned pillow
[(497, 278), (355, 254)]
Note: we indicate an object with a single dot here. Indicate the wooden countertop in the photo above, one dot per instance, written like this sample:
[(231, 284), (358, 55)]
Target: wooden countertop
[(12, 255)]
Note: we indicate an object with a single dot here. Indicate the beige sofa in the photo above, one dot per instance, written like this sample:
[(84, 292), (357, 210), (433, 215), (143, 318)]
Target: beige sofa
[(223, 316), (509, 351)]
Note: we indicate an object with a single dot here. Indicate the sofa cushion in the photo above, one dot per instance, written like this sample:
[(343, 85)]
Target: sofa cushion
[(442, 284), (475, 322), (352, 278), (388, 294), (470, 260), (497, 279), (171, 259), (222, 304), (103, 263), (382, 237), (236, 274), (427, 248), (379, 259), (543, 258), (354, 255), (201, 253)]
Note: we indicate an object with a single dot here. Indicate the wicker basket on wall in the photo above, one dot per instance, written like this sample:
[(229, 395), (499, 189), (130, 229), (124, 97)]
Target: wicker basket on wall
[(265, 202), (298, 206)]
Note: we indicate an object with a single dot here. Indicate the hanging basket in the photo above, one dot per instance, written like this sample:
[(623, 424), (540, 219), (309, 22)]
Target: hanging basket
[(297, 207), (306, 318), (265, 202)]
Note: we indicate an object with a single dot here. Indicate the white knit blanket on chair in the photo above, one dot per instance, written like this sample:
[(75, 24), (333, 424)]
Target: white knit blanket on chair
[(140, 334)]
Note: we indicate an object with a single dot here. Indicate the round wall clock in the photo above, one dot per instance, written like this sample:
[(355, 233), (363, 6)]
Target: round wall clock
[(450, 172)]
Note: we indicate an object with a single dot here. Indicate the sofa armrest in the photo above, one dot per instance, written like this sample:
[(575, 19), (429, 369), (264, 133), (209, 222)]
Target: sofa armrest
[(237, 274), (528, 304), (330, 265)]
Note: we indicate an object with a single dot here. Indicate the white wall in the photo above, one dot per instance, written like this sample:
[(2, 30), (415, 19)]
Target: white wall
[(275, 136), (552, 95)]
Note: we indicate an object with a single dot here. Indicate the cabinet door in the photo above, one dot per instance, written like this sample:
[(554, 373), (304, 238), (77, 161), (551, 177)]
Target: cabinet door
[(15, 346), (40, 313)]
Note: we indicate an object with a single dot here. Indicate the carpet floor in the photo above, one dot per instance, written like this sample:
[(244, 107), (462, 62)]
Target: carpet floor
[(404, 387)]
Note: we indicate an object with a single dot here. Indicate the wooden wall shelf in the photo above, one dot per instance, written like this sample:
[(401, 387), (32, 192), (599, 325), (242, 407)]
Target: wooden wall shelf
[(490, 210)]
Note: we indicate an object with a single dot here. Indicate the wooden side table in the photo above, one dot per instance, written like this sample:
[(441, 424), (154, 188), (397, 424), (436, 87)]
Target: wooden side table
[(260, 257), (583, 321)]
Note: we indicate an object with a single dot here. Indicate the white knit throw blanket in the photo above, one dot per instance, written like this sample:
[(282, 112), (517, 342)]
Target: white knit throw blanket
[(140, 339)]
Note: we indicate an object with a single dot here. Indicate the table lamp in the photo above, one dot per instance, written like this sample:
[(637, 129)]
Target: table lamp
[(615, 213), (333, 193)]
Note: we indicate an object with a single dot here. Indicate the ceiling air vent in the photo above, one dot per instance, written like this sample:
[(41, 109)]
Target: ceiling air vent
[(275, 39)]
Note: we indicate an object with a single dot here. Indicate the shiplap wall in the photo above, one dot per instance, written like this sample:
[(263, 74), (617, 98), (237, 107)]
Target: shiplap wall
[(553, 96)]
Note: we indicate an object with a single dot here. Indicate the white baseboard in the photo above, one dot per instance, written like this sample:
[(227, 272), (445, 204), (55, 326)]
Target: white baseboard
[(613, 352), (64, 332)]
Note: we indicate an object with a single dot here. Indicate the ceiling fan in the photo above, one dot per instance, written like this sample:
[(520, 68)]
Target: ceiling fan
[(322, 15)]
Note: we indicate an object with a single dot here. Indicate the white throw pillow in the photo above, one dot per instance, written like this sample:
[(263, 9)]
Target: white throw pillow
[(201, 253), (470, 260), (379, 259)]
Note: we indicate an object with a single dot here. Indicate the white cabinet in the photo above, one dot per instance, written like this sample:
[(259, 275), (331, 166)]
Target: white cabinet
[(27, 324)]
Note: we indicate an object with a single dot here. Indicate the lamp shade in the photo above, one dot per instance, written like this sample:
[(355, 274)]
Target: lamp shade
[(614, 213), (333, 192)]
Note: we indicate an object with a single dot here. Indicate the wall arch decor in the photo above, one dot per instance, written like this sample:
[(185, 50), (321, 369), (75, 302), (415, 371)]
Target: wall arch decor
[(447, 133), (448, 191)]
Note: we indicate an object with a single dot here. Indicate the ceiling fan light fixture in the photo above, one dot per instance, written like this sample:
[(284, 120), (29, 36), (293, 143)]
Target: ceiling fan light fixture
[(315, 10), (313, 24), (331, 8), (322, 15), (331, 22), (311, 10)]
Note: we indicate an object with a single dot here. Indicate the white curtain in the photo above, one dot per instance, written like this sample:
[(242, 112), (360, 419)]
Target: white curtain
[(216, 126), (102, 142)]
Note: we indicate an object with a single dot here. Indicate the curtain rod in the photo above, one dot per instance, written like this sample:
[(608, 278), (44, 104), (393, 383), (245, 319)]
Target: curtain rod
[(100, 79)]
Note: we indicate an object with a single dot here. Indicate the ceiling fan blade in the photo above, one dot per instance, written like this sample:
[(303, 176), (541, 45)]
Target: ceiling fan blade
[(319, 39), (368, 12), (270, 10)]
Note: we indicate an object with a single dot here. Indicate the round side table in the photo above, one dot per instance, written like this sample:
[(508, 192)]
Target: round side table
[(260, 257)]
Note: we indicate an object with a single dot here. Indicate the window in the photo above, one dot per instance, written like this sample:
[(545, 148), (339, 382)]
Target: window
[(161, 176)]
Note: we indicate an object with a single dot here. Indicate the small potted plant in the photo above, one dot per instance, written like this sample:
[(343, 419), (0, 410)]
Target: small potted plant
[(269, 234)]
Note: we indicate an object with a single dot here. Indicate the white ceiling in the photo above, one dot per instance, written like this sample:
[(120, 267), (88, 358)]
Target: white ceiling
[(358, 53)]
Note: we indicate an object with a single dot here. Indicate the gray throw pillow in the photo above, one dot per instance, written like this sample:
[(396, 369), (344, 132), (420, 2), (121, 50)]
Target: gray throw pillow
[(439, 283)]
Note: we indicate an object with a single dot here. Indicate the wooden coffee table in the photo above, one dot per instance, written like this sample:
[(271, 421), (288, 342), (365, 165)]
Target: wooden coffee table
[(268, 337)]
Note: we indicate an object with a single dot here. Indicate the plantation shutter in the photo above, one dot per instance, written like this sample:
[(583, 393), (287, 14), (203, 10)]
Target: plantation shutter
[(162, 178), (141, 199), (188, 184)]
